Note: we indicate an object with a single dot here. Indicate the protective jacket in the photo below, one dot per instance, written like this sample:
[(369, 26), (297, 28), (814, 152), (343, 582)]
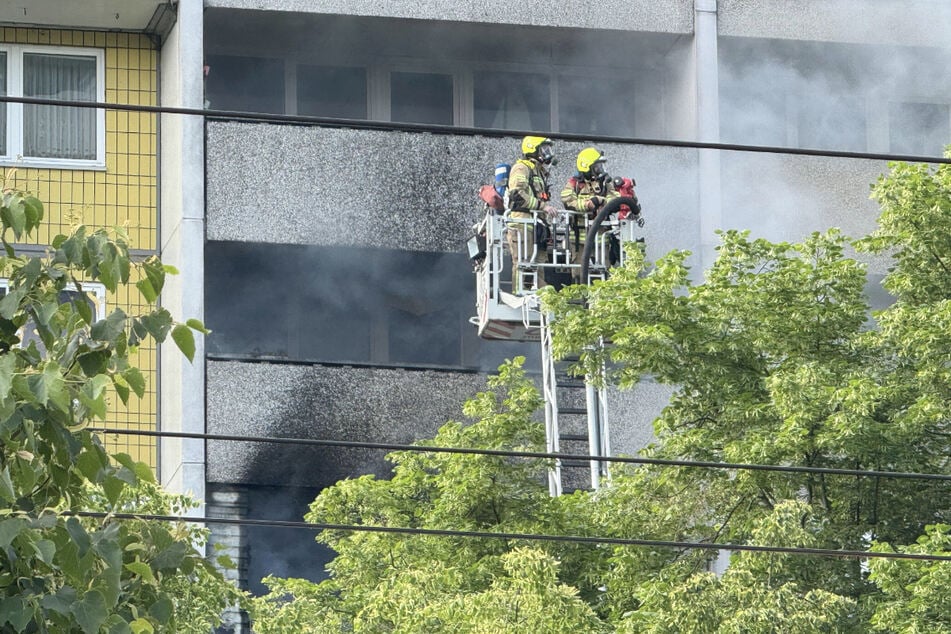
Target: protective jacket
[(528, 187), (578, 191)]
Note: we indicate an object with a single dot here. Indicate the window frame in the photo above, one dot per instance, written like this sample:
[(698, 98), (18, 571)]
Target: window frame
[(96, 290), (12, 154)]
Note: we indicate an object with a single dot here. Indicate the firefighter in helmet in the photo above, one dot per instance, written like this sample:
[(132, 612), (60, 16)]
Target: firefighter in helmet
[(585, 193), (527, 193)]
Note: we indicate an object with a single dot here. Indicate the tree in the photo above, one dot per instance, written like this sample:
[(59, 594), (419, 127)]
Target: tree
[(60, 570), (774, 358), (420, 583)]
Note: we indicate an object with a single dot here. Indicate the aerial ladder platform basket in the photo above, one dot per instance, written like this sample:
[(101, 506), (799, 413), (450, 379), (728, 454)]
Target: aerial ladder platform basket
[(508, 308)]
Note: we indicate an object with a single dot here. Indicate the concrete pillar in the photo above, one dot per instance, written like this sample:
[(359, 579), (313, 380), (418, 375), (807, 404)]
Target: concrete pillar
[(230, 539), (182, 227), (708, 126)]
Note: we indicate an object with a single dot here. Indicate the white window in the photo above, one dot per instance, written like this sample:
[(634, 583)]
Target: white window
[(95, 296), (52, 136)]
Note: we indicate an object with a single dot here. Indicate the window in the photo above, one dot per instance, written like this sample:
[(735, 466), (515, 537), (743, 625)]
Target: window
[(919, 128), (247, 84), (421, 98), (332, 91), (511, 101), (53, 136), (836, 122), (3, 106), (596, 105), (95, 296), (346, 305)]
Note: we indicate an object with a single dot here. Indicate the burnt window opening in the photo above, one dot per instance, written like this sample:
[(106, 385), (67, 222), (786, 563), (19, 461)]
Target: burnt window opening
[(346, 305)]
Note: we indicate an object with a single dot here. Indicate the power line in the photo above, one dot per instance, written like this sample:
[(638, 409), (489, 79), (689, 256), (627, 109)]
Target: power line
[(354, 444), (577, 539), (364, 124)]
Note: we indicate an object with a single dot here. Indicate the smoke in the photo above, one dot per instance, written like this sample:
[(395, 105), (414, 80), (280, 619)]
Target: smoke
[(847, 97), (346, 305), (821, 95)]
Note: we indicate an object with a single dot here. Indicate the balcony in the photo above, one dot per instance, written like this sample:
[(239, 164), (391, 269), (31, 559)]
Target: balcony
[(125, 15)]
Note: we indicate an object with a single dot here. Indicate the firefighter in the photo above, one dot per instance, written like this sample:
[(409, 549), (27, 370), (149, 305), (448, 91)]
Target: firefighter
[(586, 192), (528, 192)]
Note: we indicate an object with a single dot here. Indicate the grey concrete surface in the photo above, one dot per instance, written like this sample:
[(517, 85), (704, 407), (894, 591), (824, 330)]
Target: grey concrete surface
[(911, 22), (671, 16), (402, 190), (786, 198), (356, 404), (343, 403)]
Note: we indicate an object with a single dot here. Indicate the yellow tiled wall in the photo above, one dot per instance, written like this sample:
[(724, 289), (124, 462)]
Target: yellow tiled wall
[(124, 194)]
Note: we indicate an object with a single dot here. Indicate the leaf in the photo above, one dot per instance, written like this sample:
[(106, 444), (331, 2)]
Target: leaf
[(10, 303), (14, 215), (196, 324), (83, 309), (7, 366), (115, 624), (33, 209), (135, 379), (45, 551), (170, 558), (79, 535), (16, 611), (141, 626), (148, 291), (94, 362), (9, 529), (90, 612), (92, 395), (162, 610), (112, 487), (141, 569), (157, 323), (56, 387), (6, 485), (144, 472), (110, 328), (109, 266), (121, 387), (60, 602), (185, 340), (155, 274), (90, 464)]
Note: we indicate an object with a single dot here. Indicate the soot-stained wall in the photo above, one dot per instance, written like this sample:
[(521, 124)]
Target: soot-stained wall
[(326, 402), (358, 404), (401, 190)]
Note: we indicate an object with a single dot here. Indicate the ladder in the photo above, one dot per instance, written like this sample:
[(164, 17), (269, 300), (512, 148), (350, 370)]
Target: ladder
[(576, 410), (564, 395)]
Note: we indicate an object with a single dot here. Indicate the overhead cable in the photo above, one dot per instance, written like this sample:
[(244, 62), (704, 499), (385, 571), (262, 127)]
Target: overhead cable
[(364, 124), (354, 444), (577, 539)]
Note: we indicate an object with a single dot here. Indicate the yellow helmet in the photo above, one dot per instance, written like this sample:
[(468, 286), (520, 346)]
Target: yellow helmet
[(537, 147), (590, 162)]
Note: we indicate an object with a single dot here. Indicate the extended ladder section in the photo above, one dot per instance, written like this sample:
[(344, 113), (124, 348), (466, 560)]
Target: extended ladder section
[(569, 402), (509, 309)]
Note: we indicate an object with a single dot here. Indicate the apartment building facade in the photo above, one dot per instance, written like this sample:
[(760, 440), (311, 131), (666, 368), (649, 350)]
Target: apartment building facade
[(93, 167), (329, 258), (350, 317)]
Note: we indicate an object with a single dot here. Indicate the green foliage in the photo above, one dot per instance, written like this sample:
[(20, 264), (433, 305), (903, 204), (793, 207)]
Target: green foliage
[(60, 572), (774, 358), (917, 594), (407, 583)]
